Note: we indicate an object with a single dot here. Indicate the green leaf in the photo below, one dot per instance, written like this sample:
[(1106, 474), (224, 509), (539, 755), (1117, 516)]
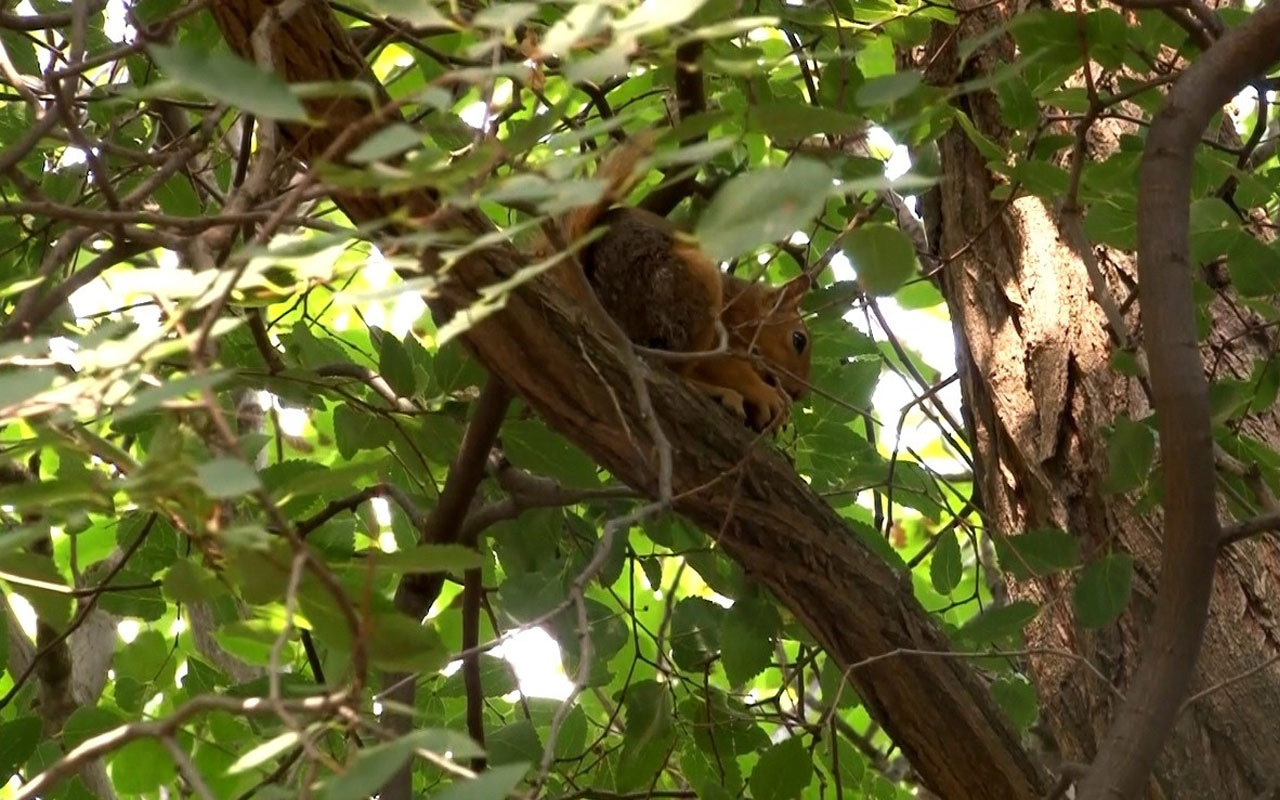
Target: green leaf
[(1254, 267), (726, 726), (226, 478), (147, 659), (355, 430), (415, 12), (571, 742), (188, 582), (648, 736), (1228, 398), (54, 608), (86, 722), (425, 558), (1103, 590), (454, 370), (1041, 552), (763, 206), (1017, 697), (494, 783), (496, 679), (139, 601), (371, 768), (695, 632), (790, 121), (657, 15), (531, 445), (517, 743), (18, 740), (1131, 446), (883, 257), (746, 641), (986, 146), (504, 17), (844, 760), (396, 365), (386, 143), (1112, 224), (886, 89), (945, 566), (1213, 228), (18, 386), (1017, 104), (783, 771), (999, 625), (228, 78), (397, 642), (1041, 178), (142, 766), (709, 781)]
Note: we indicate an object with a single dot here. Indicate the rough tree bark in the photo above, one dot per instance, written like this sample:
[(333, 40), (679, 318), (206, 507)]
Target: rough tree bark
[(1033, 352), (746, 496)]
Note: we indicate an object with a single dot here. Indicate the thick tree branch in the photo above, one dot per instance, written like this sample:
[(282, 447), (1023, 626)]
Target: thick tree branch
[(1181, 399), (544, 346)]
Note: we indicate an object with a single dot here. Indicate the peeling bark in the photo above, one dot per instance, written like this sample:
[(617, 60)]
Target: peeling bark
[(1033, 356)]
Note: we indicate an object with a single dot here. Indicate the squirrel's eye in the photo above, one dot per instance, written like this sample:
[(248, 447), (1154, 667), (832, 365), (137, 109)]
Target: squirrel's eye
[(799, 341)]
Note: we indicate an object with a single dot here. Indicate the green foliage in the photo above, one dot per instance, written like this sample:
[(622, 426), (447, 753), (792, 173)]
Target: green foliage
[(225, 451)]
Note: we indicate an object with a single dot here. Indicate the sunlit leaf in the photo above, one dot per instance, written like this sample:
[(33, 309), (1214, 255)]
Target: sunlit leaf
[(227, 477), (141, 766), (762, 206)]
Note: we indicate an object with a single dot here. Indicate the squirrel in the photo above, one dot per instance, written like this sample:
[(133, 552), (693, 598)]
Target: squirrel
[(666, 294)]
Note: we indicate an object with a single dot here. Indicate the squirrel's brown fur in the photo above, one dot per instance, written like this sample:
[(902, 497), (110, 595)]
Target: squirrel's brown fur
[(666, 294)]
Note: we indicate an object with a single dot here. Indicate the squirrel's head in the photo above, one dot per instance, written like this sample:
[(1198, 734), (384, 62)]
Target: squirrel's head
[(769, 321)]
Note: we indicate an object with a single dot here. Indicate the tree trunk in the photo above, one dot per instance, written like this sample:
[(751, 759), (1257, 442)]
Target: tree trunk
[(1033, 352)]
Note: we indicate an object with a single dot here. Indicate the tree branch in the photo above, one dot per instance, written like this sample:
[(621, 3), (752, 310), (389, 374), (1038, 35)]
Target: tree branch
[(417, 592), (544, 345), (1181, 399)]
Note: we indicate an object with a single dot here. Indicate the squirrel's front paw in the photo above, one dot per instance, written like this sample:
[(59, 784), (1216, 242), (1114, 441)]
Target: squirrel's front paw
[(730, 399), (768, 409)]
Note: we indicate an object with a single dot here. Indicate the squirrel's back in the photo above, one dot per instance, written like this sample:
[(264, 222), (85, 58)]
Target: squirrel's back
[(641, 273)]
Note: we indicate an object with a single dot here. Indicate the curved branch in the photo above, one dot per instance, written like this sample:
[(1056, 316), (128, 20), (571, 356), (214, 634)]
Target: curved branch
[(1181, 399)]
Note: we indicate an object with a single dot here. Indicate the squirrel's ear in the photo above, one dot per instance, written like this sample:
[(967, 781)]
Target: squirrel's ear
[(793, 291)]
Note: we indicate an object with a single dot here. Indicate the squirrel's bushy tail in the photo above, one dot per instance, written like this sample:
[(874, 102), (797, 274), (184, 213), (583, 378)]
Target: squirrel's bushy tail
[(618, 171)]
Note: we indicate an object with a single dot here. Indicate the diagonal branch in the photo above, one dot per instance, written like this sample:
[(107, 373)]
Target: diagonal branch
[(543, 346)]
